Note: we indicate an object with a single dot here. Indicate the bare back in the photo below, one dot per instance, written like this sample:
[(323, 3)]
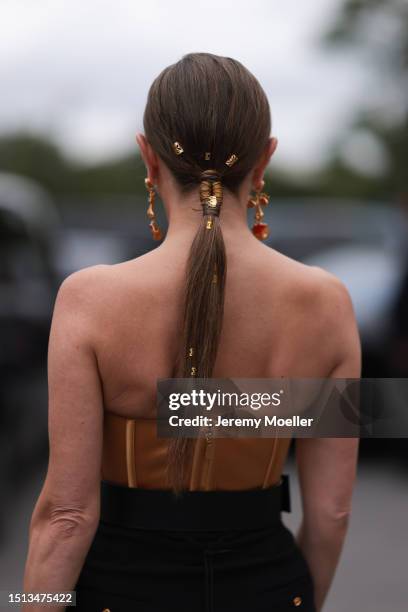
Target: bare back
[(282, 318)]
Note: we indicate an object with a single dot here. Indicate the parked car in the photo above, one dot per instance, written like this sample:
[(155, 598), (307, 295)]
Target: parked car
[(27, 287)]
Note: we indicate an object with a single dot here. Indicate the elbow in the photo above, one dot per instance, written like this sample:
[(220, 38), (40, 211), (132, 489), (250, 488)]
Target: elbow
[(326, 517), (72, 522), (65, 522), (339, 517)]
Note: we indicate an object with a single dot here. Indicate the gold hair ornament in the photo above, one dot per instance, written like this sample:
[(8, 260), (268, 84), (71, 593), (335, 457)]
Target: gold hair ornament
[(231, 160), (211, 195), (178, 149), (193, 369)]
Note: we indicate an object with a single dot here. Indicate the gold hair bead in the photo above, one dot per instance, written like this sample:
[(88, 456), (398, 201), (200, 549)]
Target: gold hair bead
[(209, 224), (190, 352), (231, 160), (207, 155), (193, 371), (178, 149)]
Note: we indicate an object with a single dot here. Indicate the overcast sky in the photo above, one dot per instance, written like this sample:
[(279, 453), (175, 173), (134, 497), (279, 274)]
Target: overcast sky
[(80, 69)]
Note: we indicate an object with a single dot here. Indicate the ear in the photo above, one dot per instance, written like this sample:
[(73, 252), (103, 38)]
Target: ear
[(259, 170), (149, 157)]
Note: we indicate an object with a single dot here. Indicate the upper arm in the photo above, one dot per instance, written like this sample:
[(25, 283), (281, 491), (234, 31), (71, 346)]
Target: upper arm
[(327, 466), (344, 331), (75, 402)]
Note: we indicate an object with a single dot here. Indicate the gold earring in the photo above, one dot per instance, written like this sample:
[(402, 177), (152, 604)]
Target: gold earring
[(259, 229), (155, 229)]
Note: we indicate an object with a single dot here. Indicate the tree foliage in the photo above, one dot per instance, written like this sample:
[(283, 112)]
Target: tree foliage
[(378, 30)]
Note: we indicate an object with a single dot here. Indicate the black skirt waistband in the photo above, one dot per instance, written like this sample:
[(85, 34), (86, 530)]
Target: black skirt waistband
[(193, 510)]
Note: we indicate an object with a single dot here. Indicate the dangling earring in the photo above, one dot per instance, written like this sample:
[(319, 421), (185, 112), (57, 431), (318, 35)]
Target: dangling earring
[(259, 229), (155, 229)]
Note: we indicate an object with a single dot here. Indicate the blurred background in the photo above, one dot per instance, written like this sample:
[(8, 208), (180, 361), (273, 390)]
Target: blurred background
[(74, 78)]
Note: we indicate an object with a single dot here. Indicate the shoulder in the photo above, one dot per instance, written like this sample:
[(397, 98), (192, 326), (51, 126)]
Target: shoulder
[(82, 284), (332, 322), (78, 300), (103, 291), (312, 288), (319, 314), (323, 296), (326, 293)]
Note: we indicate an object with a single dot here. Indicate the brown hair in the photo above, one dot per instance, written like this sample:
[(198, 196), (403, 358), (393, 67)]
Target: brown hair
[(207, 103)]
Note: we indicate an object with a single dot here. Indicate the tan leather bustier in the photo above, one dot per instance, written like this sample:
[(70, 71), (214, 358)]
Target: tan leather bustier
[(134, 456)]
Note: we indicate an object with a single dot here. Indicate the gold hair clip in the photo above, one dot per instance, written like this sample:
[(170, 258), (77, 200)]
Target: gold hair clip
[(231, 160), (207, 155), (178, 149)]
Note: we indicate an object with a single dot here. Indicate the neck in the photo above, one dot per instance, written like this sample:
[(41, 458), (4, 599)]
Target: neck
[(185, 215)]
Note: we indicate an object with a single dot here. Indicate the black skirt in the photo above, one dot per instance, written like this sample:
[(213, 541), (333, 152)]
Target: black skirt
[(213, 551)]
